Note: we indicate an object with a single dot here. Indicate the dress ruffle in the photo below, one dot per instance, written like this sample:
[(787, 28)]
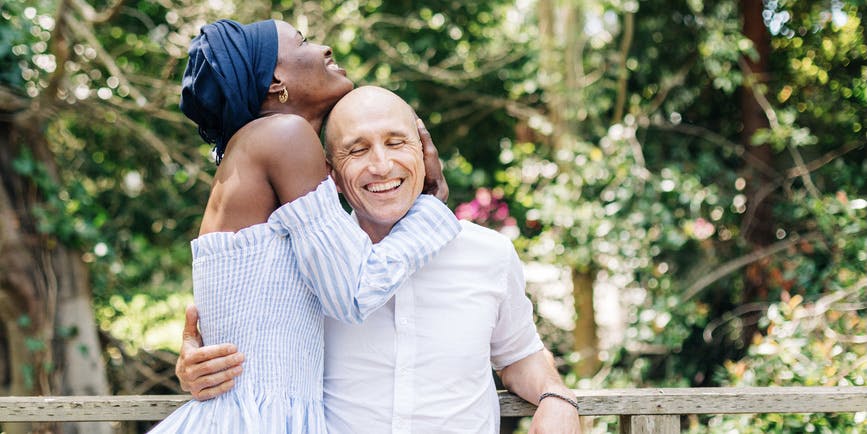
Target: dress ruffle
[(246, 411)]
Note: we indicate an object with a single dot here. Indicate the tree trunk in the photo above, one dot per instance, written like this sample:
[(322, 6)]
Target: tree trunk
[(562, 76), (561, 67), (45, 300), (758, 230), (586, 342)]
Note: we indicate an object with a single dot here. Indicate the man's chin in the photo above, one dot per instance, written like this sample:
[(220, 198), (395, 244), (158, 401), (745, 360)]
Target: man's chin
[(389, 216)]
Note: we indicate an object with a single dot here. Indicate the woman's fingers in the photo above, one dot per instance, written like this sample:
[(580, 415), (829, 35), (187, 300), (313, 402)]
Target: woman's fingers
[(434, 181)]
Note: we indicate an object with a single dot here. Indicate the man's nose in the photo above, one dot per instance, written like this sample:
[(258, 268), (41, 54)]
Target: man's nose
[(379, 163)]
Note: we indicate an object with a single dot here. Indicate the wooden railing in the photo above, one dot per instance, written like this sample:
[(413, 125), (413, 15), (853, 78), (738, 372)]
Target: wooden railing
[(641, 410)]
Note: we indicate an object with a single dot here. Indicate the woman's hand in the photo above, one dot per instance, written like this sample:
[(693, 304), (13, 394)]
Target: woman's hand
[(434, 182), (205, 372)]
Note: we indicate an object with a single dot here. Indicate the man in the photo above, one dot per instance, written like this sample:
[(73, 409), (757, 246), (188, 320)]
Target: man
[(421, 363)]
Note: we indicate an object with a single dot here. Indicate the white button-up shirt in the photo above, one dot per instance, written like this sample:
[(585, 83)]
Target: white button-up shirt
[(422, 363)]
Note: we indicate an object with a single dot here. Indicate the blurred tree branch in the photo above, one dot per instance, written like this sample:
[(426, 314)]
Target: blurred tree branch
[(92, 16), (731, 266)]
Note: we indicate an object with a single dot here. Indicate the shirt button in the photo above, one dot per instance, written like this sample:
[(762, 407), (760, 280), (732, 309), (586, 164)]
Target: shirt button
[(404, 321)]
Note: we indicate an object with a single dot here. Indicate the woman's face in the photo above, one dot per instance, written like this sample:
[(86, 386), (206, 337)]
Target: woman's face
[(308, 71)]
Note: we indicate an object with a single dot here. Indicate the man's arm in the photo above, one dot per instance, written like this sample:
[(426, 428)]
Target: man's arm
[(206, 371), (524, 365), (534, 375)]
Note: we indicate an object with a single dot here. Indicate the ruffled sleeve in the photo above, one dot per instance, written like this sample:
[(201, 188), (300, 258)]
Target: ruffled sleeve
[(351, 276)]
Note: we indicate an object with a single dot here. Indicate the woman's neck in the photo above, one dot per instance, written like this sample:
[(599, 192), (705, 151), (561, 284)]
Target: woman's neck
[(314, 120)]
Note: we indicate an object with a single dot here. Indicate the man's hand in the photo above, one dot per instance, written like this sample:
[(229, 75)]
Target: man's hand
[(434, 182), (555, 416), (205, 372)]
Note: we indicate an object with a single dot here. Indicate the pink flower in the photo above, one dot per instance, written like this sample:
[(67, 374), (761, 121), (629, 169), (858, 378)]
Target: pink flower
[(483, 196), (487, 209), (468, 211), (502, 212)]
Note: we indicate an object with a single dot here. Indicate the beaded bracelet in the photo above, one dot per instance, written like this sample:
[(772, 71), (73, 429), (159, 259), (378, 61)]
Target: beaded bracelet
[(571, 401)]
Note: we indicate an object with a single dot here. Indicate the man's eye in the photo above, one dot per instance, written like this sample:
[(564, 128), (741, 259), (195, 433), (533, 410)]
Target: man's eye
[(396, 143), (357, 151)]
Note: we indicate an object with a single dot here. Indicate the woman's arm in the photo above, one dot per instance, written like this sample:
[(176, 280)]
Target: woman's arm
[(350, 275)]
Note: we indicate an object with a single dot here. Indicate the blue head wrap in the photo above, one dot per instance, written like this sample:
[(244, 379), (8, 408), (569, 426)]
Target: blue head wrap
[(227, 78)]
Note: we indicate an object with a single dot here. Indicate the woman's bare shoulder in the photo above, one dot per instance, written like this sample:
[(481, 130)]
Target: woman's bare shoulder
[(281, 129), (289, 150)]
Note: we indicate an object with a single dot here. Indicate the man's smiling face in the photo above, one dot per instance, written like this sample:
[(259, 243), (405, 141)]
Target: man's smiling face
[(376, 157)]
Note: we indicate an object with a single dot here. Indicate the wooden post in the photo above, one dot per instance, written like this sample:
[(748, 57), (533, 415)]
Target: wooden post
[(646, 424)]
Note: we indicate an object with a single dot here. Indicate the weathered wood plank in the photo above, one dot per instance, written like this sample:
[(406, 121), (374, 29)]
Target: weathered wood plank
[(643, 424), (706, 400), (88, 408), (593, 403)]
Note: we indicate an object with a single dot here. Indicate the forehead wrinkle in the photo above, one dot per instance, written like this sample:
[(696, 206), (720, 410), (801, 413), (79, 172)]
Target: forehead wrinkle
[(372, 135), (396, 133)]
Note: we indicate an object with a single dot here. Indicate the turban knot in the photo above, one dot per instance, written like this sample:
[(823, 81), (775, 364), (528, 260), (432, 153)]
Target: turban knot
[(227, 78)]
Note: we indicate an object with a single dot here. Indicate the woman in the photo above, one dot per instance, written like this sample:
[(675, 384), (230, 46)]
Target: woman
[(275, 249)]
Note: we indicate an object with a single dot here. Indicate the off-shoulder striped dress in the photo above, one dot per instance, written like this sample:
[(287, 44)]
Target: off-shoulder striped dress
[(266, 288)]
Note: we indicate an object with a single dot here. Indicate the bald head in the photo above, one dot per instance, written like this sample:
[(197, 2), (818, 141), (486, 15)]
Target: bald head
[(376, 156), (359, 107)]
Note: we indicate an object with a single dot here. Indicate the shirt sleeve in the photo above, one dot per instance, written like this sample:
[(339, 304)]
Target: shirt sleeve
[(351, 276), (514, 336)]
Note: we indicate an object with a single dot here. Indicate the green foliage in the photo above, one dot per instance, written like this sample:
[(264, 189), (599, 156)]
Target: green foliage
[(658, 201), (148, 321), (806, 344), (12, 74), (123, 197), (69, 214), (452, 61)]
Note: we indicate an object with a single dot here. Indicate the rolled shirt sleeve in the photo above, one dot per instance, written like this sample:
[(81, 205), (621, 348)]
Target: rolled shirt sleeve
[(514, 336)]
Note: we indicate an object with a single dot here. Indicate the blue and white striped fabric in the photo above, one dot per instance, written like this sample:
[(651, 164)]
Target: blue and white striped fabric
[(265, 289)]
